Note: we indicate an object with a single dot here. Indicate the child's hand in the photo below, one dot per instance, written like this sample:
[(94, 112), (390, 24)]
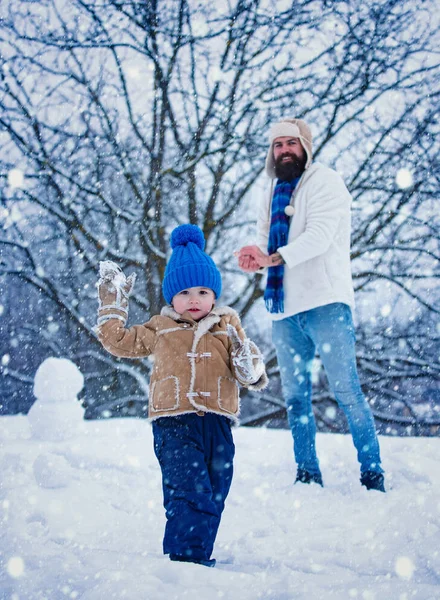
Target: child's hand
[(114, 290), (246, 358)]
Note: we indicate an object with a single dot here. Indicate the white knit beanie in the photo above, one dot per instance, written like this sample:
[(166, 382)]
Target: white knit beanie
[(289, 128)]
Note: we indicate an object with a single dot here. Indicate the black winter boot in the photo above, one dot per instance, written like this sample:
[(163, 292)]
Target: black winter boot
[(303, 476), (198, 561), (373, 481)]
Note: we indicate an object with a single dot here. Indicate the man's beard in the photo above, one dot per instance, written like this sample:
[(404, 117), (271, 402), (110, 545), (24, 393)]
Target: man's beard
[(290, 170)]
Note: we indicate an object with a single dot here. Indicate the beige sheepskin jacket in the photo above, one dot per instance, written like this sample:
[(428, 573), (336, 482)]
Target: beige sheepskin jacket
[(195, 367)]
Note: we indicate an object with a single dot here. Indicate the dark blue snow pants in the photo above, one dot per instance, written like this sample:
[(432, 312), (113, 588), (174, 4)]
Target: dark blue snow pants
[(195, 454)]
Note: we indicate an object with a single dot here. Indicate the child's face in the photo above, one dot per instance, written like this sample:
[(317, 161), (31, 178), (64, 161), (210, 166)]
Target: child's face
[(196, 300)]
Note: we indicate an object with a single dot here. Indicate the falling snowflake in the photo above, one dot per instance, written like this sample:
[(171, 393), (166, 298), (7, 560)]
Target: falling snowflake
[(15, 178), (404, 567), (330, 412), (404, 179), (385, 310), (53, 328), (315, 369), (15, 567)]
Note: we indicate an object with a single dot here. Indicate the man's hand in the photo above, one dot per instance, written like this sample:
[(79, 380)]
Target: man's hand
[(251, 258)]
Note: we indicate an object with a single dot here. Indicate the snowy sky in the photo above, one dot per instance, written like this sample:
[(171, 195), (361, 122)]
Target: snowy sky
[(82, 515)]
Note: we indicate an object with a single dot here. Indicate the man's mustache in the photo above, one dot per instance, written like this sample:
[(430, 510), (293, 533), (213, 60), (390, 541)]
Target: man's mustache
[(294, 158)]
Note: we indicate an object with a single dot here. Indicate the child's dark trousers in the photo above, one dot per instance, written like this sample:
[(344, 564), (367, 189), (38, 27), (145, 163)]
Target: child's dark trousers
[(195, 454)]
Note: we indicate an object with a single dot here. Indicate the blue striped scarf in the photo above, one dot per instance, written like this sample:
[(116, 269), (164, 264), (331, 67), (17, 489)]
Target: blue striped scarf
[(278, 234)]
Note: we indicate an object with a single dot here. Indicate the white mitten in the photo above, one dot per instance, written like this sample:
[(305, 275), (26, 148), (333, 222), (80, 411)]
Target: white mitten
[(114, 290), (246, 358)]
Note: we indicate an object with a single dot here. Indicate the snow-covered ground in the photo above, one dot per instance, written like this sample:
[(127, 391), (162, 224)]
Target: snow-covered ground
[(82, 518)]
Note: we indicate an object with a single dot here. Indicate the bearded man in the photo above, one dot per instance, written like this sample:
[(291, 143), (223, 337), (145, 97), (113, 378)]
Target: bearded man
[(303, 239)]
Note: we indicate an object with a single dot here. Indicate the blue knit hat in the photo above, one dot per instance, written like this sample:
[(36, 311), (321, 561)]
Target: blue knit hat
[(189, 266)]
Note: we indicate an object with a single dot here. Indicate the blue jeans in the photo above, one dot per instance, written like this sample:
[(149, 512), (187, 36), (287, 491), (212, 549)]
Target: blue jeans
[(329, 330)]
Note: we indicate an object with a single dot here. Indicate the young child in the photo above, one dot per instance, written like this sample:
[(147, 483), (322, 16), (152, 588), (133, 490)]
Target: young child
[(201, 354)]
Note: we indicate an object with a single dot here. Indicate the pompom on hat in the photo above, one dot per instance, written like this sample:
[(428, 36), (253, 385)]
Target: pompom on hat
[(189, 266), (296, 128)]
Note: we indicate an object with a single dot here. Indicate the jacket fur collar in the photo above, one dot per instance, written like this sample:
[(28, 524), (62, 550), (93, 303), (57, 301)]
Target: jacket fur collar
[(205, 324), (218, 311)]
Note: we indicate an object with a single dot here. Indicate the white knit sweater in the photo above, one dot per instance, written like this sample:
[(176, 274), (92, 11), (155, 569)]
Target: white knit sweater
[(317, 255)]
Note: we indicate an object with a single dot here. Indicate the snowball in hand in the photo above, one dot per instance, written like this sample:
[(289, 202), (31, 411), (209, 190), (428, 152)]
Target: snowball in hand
[(110, 271)]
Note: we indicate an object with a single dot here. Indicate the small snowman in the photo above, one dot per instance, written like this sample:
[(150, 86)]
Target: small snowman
[(56, 415)]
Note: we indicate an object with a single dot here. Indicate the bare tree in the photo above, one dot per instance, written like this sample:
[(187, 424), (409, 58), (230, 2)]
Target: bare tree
[(128, 118)]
